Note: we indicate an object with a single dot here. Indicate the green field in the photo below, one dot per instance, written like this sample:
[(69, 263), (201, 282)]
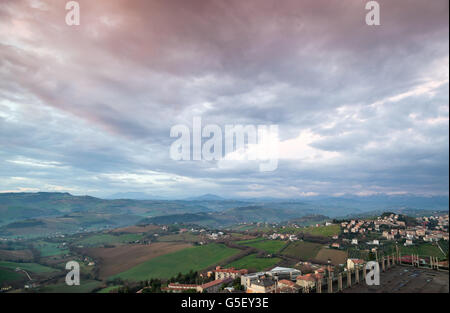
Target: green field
[(270, 246), (104, 239), (8, 275), (84, 287), (303, 250), (325, 231), (426, 249), (185, 237), (108, 289), (49, 249), (252, 228), (253, 262), (31, 267), (168, 265)]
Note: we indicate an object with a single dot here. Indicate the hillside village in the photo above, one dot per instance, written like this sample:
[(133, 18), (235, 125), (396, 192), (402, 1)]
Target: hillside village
[(389, 228)]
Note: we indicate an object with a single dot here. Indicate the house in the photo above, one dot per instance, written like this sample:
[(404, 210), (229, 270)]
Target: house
[(352, 263), (246, 280), (354, 241), (287, 286), (222, 273), (408, 242), (335, 245), (262, 285), (308, 280)]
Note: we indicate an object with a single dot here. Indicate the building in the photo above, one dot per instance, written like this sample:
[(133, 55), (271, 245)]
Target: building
[(308, 280), (175, 287), (352, 263), (246, 280), (262, 285), (214, 286), (287, 286), (275, 274), (222, 273), (283, 273)]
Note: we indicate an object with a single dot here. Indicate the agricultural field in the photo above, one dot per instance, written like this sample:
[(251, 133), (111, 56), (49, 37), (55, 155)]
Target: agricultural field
[(109, 289), (325, 231), (121, 258), (31, 267), (184, 237), (238, 236), (270, 246), (137, 229), (168, 265), (84, 287), (16, 255), (50, 248), (8, 276), (336, 256), (263, 228), (108, 239), (423, 250), (303, 250), (253, 262)]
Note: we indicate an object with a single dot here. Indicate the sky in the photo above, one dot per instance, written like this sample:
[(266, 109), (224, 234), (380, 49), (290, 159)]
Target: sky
[(88, 109)]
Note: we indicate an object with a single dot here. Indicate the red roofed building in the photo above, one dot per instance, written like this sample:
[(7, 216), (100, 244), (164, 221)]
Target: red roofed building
[(352, 263), (287, 286), (222, 273), (213, 286), (308, 280), (175, 287)]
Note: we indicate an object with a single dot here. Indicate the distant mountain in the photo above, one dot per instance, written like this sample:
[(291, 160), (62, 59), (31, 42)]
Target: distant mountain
[(383, 202), (134, 196), (50, 212), (252, 213), (309, 220), (206, 197)]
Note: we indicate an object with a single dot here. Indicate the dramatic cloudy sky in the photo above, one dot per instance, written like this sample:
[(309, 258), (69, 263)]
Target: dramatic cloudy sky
[(88, 109)]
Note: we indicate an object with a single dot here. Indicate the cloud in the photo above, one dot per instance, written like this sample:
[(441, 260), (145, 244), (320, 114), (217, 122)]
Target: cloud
[(89, 108)]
